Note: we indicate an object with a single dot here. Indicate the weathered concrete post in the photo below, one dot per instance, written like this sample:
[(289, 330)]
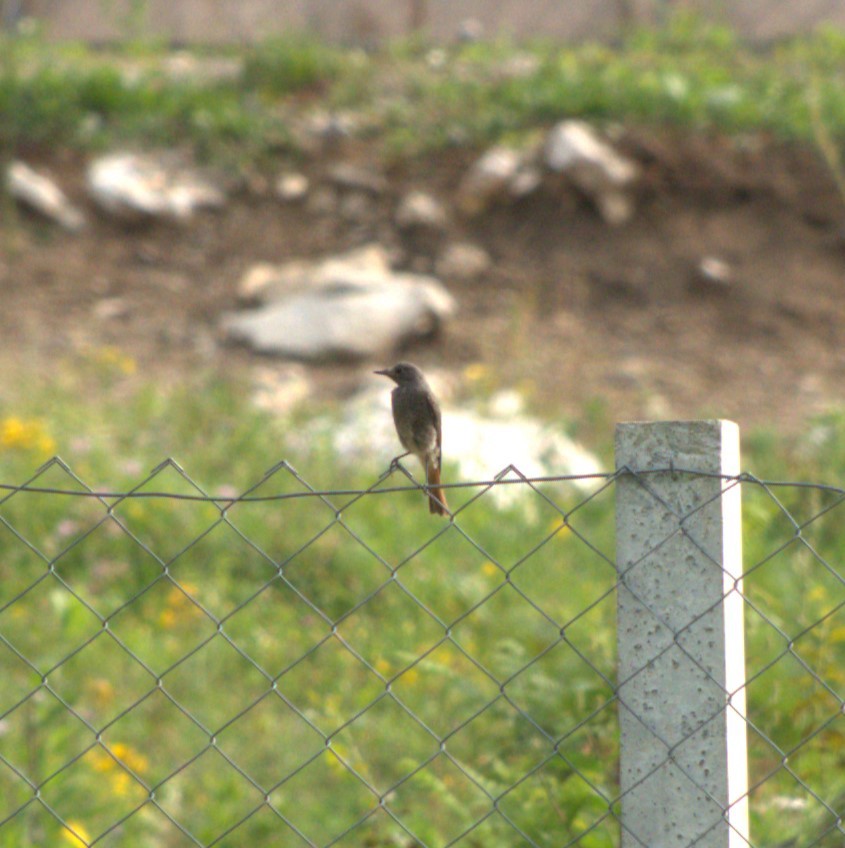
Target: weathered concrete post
[(683, 766)]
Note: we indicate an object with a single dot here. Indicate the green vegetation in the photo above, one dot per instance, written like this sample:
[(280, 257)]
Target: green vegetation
[(688, 74), (282, 647)]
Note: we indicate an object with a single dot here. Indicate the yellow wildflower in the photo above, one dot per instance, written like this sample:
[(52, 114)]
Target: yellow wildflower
[(130, 757), (75, 834), (114, 359), (121, 783), (26, 434), (102, 690), (475, 371), (126, 754), (411, 676), (167, 618), (558, 525), (178, 605), (333, 759)]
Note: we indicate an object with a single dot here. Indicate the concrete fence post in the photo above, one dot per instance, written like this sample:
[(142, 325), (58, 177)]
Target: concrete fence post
[(683, 760)]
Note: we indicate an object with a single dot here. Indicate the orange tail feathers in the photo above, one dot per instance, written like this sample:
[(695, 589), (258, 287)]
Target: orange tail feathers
[(436, 499)]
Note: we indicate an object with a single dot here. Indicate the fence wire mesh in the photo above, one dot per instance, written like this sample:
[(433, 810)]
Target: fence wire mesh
[(294, 666)]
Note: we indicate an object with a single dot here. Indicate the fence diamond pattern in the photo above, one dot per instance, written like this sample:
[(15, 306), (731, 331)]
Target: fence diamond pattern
[(290, 666)]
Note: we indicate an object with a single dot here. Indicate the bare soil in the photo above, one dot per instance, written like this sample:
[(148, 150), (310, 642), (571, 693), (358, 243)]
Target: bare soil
[(587, 319)]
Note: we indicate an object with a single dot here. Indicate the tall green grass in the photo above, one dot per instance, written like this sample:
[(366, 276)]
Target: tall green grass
[(320, 664), (688, 74)]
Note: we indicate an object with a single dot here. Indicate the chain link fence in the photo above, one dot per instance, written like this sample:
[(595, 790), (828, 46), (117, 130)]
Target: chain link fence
[(293, 666)]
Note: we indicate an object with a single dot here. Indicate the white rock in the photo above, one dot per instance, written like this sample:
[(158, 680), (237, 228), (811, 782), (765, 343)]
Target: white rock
[(480, 444), (323, 201), (436, 58), (356, 206), (346, 175), (602, 174), (43, 195), (256, 280), (111, 308), (420, 210), (342, 309), (281, 389), (463, 261), (526, 181), (292, 187), (330, 126), (266, 282), (135, 186), (489, 178), (470, 30), (715, 272)]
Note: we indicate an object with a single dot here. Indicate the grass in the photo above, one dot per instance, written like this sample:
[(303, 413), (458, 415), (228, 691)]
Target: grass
[(688, 74), (303, 654)]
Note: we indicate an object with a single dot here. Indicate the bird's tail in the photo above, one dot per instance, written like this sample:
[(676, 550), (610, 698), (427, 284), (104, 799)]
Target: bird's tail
[(436, 498)]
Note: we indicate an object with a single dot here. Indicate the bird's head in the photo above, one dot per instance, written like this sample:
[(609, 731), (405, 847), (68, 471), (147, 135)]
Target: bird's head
[(404, 374)]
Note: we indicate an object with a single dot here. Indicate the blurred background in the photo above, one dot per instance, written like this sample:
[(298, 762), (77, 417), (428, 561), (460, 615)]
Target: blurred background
[(217, 218), (620, 209), (606, 211)]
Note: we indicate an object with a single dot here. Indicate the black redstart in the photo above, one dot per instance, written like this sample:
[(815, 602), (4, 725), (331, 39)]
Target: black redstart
[(417, 419)]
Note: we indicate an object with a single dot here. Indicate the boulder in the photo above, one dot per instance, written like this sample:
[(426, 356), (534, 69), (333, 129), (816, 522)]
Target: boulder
[(606, 177), (714, 273), (292, 187), (134, 187), (264, 282), (419, 210), (488, 179), (477, 441), (41, 194), (463, 261), (345, 307), (346, 175)]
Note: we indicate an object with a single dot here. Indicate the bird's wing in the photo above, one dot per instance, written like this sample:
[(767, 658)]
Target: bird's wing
[(434, 410)]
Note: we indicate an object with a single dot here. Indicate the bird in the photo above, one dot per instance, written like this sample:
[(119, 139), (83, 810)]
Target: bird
[(416, 415)]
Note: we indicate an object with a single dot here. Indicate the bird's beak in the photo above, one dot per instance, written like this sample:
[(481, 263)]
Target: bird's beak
[(384, 372)]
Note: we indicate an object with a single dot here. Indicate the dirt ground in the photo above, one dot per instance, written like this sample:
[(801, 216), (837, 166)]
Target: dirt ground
[(586, 319)]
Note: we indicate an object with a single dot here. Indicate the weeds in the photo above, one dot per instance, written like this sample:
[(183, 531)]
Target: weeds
[(687, 74)]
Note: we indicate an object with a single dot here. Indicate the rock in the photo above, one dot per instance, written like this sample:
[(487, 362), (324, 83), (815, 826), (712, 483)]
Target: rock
[(342, 308), (526, 181), (356, 319), (41, 194), (264, 282), (594, 167), (257, 279), (520, 66), (330, 127), (436, 58), (480, 441), (111, 308), (714, 273), (463, 261), (419, 210), (345, 175), (292, 187), (323, 201), (488, 179), (281, 389), (470, 30), (135, 187), (356, 206)]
